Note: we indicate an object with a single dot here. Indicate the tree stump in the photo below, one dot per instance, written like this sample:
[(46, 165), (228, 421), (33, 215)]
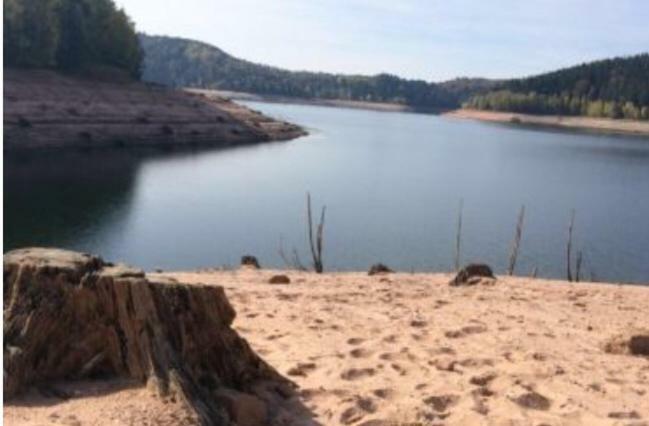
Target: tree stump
[(70, 315)]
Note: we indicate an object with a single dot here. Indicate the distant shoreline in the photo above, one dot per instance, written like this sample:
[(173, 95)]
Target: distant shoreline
[(337, 103), (603, 125), (598, 125)]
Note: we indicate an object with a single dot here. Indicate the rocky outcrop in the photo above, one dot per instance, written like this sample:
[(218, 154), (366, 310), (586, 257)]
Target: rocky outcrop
[(72, 315), (48, 110), (472, 274)]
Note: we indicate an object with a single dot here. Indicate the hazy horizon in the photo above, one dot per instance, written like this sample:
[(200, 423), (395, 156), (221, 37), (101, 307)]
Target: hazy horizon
[(434, 41)]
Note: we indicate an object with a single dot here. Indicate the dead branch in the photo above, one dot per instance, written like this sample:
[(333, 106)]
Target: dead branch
[(569, 246), (315, 241), (458, 236), (516, 242)]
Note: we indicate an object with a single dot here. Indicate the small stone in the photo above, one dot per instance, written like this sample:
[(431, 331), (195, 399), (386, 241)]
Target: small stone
[(249, 260), (639, 345), (279, 279), (379, 268), (533, 400), (473, 274)]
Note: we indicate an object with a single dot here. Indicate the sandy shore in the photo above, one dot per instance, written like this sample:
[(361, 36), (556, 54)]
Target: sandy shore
[(409, 349), (578, 123)]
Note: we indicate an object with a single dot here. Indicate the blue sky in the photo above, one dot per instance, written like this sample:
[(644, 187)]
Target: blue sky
[(428, 39)]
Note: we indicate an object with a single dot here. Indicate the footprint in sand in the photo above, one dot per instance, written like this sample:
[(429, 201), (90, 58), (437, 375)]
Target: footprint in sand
[(361, 407), (390, 339), (441, 402), (483, 379), (465, 331), (302, 369), (355, 341), (360, 353), (388, 356), (476, 362), (357, 373), (480, 403), (384, 393), (624, 415), (399, 369)]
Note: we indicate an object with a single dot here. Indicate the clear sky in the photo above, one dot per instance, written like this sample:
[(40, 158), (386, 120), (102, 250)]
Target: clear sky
[(429, 39)]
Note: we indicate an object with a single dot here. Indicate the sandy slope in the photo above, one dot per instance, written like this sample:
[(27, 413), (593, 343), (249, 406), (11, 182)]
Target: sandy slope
[(409, 349), (606, 125)]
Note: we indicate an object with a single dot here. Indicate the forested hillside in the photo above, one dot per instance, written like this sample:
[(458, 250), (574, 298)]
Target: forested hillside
[(614, 88), (187, 63), (69, 35)]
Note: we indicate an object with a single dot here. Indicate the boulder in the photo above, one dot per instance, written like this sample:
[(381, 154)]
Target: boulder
[(379, 268), (250, 261), (473, 274), (72, 315)]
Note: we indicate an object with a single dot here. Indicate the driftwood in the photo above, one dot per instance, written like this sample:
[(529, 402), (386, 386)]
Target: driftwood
[(70, 315)]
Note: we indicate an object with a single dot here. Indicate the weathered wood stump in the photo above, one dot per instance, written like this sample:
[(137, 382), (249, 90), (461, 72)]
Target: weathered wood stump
[(71, 315)]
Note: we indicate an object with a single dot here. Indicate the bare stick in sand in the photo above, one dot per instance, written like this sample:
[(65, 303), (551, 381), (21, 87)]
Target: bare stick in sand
[(316, 247), (569, 246), (295, 262), (535, 272), (517, 242), (458, 236), (580, 259)]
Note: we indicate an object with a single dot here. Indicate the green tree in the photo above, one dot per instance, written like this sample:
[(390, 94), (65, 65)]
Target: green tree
[(70, 34), (31, 32)]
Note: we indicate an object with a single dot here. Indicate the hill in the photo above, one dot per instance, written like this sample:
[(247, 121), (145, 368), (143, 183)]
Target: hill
[(613, 88), (180, 62)]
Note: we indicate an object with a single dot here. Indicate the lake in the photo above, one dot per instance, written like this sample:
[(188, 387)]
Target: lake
[(392, 183)]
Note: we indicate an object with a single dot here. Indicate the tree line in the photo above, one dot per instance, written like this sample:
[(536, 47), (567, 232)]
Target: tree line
[(69, 35), (613, 88), (187, 63)]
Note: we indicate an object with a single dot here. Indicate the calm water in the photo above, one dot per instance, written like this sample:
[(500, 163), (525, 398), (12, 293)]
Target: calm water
[(392, 184)]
